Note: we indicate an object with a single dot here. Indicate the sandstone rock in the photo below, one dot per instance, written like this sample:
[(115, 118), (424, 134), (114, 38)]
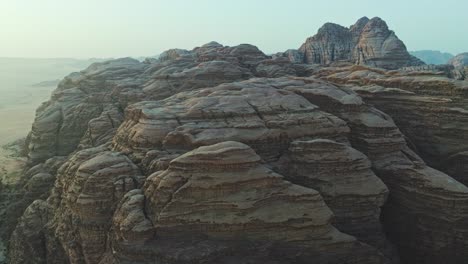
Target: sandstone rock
[(87, 191), (224, 193), (206, 74), (459, 61), (87, 106), (210, 200), (31, 242), (278, 67), (424, 231), (79, 98), (343, 177), (429, 109), (368, 42), (130, 222), (174, 54), (254, 112), (292, 55)]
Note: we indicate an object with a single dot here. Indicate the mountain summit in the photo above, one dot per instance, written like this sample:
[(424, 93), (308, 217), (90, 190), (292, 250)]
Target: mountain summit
[(367, 42)]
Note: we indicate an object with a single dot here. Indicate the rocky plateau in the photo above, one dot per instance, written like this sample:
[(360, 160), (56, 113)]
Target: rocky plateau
[(347, 150)]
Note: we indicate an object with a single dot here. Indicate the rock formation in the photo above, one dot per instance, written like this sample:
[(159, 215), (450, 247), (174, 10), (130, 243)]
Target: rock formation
[(461, 60), (225, 155), (368, 42), (344, 178), (223, 193), (429, 109)]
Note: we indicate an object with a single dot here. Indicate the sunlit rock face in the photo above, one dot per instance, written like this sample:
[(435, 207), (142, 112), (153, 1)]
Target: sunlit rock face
[(226, 155)]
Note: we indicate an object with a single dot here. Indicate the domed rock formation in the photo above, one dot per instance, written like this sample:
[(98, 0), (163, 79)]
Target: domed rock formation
[(222, 193), (254, 112)]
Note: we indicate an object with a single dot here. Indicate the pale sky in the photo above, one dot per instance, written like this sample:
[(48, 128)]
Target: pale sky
[(119, 28)]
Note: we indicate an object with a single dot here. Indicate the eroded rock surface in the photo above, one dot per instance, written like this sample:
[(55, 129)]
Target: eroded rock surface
[(368, 42), (222, 193), (431, 111), (420, 230), (344, 178), (225, 155)]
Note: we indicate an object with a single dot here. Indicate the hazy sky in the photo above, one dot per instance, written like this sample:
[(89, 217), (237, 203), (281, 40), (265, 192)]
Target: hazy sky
[(117, 28)]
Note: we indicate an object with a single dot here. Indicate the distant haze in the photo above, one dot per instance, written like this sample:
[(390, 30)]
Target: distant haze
[(118, 28), (432, 56), (24, 85)]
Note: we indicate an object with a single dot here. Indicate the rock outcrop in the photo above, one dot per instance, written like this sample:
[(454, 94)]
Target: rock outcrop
[(223, 193), (429, 109), (226, 155), (368, 42), (344, 178), (253, 112), (459, 61), (422, 235)]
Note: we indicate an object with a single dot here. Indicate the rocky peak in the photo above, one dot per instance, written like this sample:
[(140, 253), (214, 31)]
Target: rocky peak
[(212, 44), (225, 155), (331, 29), (360, 24), (367, 42), (376, 23)]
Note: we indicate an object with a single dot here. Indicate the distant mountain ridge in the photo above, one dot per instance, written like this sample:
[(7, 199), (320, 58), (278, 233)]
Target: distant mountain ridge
[(432, 56)]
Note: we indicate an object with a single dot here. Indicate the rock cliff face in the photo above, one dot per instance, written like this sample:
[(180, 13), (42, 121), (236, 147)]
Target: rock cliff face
[(430, 109), (222, 193), (226, 155), (368, 42), (344, 178), (460, 62)]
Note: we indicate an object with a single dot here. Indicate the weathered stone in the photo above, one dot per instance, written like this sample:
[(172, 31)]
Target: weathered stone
[(209, 200), (253, 112), (368, 42), (222, 192), (343, 177)]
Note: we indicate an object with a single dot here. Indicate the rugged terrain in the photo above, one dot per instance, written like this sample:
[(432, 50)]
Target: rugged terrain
[(367, 42), (226, 155)]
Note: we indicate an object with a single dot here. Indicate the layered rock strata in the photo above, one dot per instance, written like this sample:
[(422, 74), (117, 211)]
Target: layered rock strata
[(430, 110), (222, 192), (344, 178), (152, 173), (420, 229), (253, 112), (368, 42)]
